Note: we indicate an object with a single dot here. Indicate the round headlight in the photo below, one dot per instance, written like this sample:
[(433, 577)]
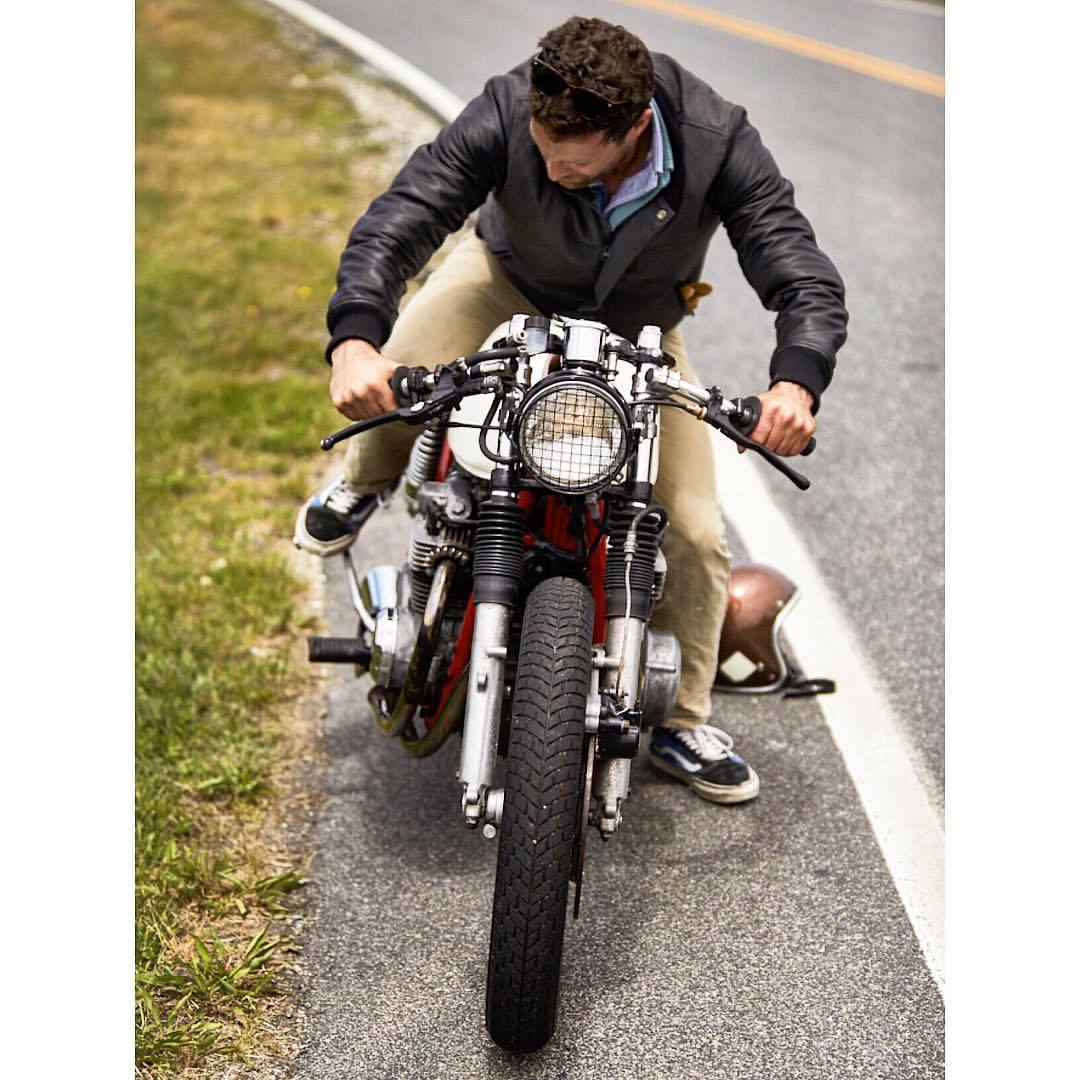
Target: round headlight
[(573, 435)]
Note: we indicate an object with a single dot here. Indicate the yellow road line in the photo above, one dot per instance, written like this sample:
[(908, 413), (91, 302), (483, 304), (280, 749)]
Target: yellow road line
[(865, 64)]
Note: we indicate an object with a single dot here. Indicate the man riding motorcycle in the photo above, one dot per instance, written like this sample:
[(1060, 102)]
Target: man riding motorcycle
[(601, 172)]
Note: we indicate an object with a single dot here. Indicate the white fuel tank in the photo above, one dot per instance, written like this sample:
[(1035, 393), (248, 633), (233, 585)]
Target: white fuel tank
[(465, 442)]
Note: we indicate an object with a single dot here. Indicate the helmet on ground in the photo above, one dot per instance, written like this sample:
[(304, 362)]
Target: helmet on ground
[(751, 658)]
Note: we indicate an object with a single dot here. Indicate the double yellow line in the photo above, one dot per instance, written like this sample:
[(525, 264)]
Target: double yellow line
[(899, 74)]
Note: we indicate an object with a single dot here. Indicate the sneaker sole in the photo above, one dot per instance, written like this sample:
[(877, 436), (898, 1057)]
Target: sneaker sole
[(323, 548), (717, 793)]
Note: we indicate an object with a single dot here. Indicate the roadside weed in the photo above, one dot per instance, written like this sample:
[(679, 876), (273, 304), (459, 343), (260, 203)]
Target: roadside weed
[(247, 180)]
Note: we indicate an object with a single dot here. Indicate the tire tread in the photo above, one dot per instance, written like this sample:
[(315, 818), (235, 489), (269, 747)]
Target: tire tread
[(540, 814)]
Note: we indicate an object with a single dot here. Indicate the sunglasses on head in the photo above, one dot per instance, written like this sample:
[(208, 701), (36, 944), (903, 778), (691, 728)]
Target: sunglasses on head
[(588, 103)]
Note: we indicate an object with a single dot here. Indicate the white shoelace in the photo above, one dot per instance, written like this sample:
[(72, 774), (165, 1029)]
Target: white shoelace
[(708, 742), (343, 500)]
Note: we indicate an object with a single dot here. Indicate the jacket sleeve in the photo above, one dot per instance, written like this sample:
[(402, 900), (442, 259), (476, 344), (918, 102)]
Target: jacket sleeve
[(779, 256), (432, 195)]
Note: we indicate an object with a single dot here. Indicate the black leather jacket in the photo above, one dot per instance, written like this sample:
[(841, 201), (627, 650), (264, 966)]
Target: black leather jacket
[(562, 254)]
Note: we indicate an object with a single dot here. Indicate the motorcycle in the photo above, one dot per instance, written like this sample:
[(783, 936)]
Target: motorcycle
[(520, 616)]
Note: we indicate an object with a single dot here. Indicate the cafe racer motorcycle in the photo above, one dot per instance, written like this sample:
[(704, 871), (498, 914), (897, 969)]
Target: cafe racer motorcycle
[(519, 616)]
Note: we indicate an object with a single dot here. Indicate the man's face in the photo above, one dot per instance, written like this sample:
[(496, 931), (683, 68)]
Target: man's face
[(574, 163)]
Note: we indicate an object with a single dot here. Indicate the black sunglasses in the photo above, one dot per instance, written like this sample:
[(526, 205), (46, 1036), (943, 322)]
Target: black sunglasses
[(588, 103)]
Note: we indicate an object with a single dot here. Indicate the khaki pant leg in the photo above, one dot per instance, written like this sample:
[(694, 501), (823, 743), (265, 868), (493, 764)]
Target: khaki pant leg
[(451, 315), (699, 563)]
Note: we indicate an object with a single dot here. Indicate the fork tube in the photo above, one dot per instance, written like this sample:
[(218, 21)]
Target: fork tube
[(497, 565), (483, 711)]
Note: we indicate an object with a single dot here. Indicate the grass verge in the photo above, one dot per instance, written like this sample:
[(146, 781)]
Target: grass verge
[(251, 165)]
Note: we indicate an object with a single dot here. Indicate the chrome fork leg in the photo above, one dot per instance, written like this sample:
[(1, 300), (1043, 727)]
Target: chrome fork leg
[(480, 736), (612, 786)]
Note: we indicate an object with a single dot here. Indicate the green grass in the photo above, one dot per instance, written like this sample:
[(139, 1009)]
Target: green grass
[(247, 182)]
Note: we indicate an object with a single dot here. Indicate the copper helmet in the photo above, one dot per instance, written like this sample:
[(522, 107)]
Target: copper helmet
[(759, 599), (752, 659)]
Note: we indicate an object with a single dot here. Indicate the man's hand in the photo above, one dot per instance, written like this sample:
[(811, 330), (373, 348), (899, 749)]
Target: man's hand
[(360, 381), (786, 423)]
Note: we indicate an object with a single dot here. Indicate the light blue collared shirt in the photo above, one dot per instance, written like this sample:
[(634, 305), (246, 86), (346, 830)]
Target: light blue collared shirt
[(635, 191)]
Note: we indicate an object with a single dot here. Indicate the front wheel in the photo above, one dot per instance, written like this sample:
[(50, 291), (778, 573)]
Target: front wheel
[(540, 814)]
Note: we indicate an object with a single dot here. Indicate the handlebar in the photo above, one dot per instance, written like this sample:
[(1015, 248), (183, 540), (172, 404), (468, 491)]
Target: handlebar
[(422, 394), (733, 417)]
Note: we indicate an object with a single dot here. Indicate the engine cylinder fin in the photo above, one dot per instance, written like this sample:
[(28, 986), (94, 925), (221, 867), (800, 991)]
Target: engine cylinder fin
[(426, 550)]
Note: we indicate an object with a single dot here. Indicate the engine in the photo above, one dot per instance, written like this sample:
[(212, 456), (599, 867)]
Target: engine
[(394, 598)]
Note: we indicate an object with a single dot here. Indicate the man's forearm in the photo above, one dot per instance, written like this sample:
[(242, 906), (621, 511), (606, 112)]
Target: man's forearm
[(796, 365), (780, 258), (432, 195)]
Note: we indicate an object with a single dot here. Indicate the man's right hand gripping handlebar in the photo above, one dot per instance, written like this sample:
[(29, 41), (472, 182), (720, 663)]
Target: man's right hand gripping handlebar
[(379, 392), (362, 389), (360, 380)]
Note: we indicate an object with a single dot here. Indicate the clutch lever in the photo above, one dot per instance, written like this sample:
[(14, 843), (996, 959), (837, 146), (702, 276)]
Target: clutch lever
[(414, 414), (408, 384)]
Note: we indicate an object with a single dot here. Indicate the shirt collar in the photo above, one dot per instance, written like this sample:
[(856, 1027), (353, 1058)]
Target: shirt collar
[(654, 172)]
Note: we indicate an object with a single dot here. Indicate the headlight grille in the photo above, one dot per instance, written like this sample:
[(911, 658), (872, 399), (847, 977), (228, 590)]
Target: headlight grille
[(573, 438)]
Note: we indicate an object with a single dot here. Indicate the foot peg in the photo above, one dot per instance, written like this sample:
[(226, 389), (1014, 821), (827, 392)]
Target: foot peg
[(338, 650)]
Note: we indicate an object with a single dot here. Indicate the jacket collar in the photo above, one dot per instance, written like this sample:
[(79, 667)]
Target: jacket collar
[(631, 237), (674, 190)]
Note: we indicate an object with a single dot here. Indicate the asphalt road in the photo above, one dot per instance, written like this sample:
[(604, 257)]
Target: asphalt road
[(765, 940)]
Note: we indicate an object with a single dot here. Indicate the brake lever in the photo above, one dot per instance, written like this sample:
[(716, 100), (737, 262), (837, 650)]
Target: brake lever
[(723, 424)]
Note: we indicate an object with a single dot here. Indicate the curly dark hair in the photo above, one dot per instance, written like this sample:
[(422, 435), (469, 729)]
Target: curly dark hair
[(594, 55)]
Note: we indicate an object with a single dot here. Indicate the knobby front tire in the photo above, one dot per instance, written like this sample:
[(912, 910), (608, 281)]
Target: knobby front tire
[(540, 814)]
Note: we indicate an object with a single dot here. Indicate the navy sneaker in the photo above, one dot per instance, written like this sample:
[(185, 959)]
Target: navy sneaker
[(704, 758), (330, 520)]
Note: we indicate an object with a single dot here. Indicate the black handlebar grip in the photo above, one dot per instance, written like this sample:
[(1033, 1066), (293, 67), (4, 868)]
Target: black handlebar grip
[(399, 384), (746, 419)]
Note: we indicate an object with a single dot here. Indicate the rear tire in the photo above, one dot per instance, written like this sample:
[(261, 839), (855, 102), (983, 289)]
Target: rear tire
[(540, 815)]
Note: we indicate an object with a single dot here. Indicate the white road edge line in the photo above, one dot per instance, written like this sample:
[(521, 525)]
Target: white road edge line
[(878, 757), (425, 89), (916, 7)]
